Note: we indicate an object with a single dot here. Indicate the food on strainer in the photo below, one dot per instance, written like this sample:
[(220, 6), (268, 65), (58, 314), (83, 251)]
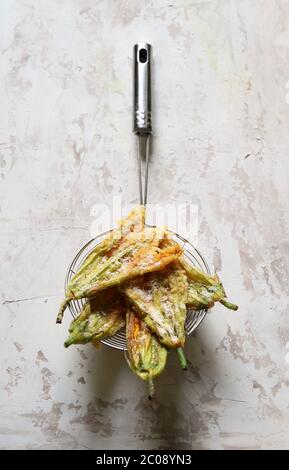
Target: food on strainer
[(137, 277), (145, 355), (134, 222), (160, 300), (100, 317), (134, 254), (204, 290), (203, 297)]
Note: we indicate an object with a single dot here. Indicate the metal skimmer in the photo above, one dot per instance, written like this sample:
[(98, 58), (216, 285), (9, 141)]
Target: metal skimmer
[(142, 127)]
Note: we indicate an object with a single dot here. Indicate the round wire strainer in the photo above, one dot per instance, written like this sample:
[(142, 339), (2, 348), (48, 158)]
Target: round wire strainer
[(118, 341)]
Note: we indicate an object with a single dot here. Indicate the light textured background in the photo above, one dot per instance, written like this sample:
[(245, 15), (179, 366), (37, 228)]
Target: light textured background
[(221, 142)]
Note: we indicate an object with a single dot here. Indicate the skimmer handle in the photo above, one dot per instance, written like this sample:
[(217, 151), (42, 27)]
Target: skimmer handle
[(142, 124)]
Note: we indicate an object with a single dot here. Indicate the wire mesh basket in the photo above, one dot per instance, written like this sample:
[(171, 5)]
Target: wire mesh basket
[(118, 341)]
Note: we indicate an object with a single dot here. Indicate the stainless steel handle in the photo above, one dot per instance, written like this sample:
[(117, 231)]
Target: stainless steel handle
[(142, 124)]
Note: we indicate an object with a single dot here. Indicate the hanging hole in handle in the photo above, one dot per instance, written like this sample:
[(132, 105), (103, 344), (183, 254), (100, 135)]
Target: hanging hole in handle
[(143, 56)]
